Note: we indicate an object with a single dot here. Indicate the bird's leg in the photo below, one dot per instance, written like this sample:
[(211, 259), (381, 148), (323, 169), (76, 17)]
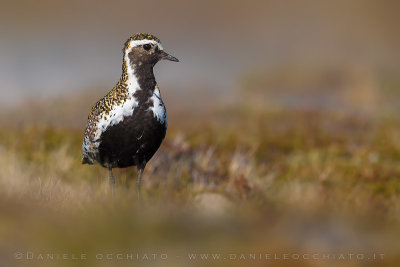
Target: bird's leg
[(140, 168), (138, 182), (112, 181)]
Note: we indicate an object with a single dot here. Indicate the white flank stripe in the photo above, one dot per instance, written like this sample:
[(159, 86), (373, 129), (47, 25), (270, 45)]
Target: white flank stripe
[(118, 112), (158, 107)]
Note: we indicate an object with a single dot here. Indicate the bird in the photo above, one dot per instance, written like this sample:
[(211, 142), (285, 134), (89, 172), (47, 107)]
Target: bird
[(127, 126)]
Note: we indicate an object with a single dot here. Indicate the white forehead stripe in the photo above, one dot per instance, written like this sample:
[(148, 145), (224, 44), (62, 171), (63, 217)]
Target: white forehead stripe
[(134, 43)]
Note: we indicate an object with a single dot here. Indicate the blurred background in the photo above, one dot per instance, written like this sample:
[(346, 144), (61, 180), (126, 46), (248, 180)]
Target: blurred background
[(283, 131)]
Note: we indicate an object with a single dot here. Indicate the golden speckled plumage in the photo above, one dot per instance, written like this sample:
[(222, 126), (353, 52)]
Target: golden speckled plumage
[(141, 36), (118, 95)]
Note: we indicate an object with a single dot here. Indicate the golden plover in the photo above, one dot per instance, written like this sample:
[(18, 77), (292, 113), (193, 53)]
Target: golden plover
[(126, 127)]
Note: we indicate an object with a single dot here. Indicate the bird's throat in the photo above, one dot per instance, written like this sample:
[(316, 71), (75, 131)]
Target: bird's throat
[(139, 75)]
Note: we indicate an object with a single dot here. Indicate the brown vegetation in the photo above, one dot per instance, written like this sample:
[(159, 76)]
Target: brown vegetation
[(245, 176)]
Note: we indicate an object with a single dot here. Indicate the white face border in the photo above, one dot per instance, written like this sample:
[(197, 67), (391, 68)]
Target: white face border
[(135, 43)]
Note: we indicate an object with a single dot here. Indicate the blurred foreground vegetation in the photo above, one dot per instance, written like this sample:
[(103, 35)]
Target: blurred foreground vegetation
[(238, 178)]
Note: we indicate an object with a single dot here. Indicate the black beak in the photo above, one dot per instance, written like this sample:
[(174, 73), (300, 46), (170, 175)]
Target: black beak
[(164, 55)]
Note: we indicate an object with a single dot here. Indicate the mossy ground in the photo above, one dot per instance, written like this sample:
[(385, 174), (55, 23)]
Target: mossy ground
[(239, 178)]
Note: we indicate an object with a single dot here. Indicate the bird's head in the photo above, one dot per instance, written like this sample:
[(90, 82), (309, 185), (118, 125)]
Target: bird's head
[(143, 48)]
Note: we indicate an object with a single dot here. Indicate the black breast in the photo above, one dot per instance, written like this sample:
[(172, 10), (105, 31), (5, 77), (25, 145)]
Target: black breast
[(135, 139), (132, 141)]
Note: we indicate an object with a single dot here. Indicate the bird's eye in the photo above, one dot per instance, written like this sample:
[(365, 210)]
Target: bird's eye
[(146, 46)]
